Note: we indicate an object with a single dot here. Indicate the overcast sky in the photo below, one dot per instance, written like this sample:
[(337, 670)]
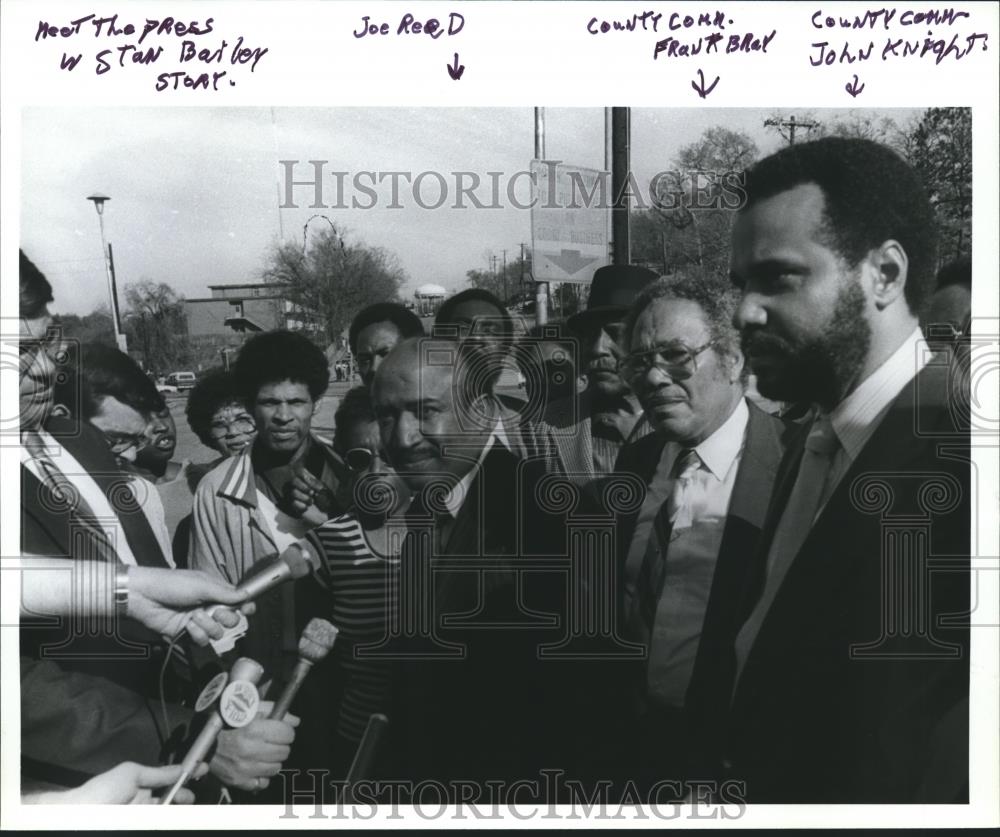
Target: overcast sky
[(194, 191)]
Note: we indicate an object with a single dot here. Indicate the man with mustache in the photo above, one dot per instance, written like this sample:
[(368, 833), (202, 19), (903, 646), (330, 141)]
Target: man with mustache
[(469, 704), (708, 468), (582, 435), (849, 683)]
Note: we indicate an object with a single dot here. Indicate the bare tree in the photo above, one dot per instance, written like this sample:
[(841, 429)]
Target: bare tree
[(330, 280), (155, 324)]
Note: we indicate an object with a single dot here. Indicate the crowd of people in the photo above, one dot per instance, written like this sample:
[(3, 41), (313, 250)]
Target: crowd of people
[(696, 548)]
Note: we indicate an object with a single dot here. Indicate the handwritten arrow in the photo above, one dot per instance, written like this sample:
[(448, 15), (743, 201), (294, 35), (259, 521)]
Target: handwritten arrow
[(456, 71), (700, 89), (852, 87), (570, 262)]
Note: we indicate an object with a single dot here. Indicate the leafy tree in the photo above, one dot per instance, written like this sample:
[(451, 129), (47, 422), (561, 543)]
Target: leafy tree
[(95, 327), (693, 216), (332, 279), (938, 144), (942, 153), (492, 280), (155, 325)]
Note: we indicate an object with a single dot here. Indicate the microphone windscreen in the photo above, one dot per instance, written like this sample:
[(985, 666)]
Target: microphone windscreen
[(299, 560), (317, 640)]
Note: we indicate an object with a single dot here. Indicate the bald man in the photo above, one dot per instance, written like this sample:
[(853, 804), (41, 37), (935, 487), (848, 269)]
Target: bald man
[(470, 707)]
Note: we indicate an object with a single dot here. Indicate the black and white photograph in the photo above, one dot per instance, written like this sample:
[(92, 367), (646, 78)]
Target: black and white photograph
[(539, 464)]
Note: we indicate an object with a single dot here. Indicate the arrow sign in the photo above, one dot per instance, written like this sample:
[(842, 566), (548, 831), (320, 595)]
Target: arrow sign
[(570, 261), (852, 87), (455, 71), (700, 89)]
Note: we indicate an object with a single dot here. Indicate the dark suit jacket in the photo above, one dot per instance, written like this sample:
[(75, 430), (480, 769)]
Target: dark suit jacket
[(81, 715), (474, 714), (624, 689), (847, 697)]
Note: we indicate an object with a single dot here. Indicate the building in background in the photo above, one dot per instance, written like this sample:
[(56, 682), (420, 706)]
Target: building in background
[(218, 325)]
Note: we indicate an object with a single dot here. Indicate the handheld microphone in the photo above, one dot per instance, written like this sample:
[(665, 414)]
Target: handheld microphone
[(237, 707), (292, 564), (364, 758), (316, 642)]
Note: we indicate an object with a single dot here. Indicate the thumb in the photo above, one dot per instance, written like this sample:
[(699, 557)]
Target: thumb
[(158, 777)]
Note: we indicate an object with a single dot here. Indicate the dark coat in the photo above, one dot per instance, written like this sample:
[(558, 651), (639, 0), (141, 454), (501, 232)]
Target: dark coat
[(845, 696), (617, 750), (82, 715)]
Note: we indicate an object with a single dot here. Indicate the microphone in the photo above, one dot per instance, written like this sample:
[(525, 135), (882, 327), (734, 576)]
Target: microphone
[(316, 642), (292, 564), (237, 707), (364, 758)]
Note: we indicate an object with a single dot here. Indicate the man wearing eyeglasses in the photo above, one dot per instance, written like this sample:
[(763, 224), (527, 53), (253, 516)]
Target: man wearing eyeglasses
[(708, 468), (88, 687), (119, 399)]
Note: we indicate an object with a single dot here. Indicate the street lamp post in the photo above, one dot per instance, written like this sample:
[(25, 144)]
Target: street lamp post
[(109, 269)]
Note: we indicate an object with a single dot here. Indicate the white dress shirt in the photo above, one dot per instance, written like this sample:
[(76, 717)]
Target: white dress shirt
[(143, 491), (695, 540), (854, 420)]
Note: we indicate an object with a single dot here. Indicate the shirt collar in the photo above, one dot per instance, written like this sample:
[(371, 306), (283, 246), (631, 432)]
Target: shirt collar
[(719, 451), (456, 495), (855, 418)]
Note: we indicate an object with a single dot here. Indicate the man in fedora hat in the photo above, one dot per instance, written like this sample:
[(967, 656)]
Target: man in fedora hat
[(581, 435)]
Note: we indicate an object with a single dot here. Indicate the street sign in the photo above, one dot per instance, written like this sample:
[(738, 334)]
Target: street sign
[(569, 222)]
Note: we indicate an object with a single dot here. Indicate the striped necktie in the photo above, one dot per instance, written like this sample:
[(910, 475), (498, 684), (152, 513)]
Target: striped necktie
[(89, 539)]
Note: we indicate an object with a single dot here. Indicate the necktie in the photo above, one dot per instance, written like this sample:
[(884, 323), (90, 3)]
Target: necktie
[(674, 514), (678, 505), (67, 497), (806, 498), (804, 505)]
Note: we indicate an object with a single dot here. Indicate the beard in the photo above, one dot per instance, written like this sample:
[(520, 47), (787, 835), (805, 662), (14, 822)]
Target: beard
[(816, 369)]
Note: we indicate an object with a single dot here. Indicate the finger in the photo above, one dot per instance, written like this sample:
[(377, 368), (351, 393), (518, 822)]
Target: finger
[(196, 632), (309, 480), (223, 618), (158, 777), (248, 608), (253, 775), (273, 732), (210, 624), (182, 797)]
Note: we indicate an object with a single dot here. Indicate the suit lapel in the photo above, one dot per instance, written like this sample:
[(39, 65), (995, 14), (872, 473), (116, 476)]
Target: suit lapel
[(899, 439), (91, 452), (711, 680), (50, 526)]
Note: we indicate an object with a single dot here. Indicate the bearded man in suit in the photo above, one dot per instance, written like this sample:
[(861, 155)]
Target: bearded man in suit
[(852, 666)]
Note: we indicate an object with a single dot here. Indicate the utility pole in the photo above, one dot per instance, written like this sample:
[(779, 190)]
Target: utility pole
[(521, 289), (620, 245), (791, 125), (505, 297), (541, 288)]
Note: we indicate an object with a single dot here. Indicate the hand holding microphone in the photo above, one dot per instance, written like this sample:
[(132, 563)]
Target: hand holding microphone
[(236, 706), (294, 563)]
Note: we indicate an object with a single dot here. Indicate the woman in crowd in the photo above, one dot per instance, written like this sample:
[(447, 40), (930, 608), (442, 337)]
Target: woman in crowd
[(218, 416), (359, 553)]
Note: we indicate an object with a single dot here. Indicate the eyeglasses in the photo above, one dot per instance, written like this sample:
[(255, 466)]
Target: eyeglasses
[(361, 459), (238, 426), (123, 442), (675, 360)]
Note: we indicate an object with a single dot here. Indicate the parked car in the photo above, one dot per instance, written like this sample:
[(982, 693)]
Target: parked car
[(183, 381)]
